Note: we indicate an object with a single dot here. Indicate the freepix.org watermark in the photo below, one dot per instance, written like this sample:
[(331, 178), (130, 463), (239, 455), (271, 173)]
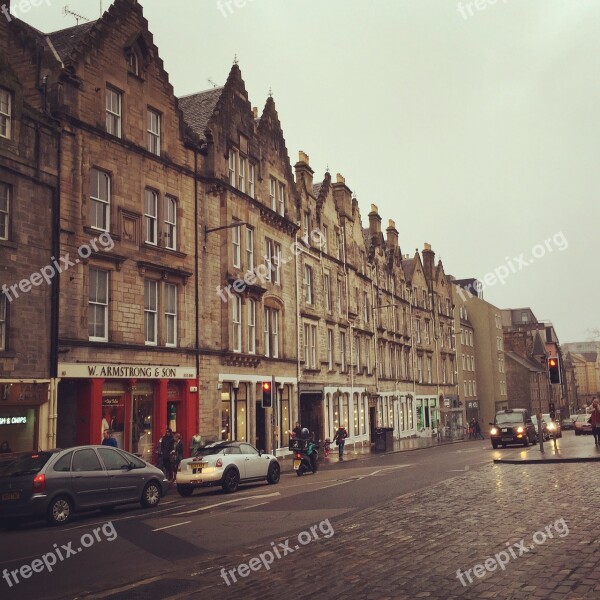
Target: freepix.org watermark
[(513, 551), (102, 243), (226, 7), (279, 550), (22, 6), (468, 9), (265, 271), (513, 265), (57, 555)]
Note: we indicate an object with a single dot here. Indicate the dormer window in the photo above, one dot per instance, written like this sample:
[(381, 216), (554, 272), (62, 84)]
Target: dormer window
[(133, 63), (5, 113)]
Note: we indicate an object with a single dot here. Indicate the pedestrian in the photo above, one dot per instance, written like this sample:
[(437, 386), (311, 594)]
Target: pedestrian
[(340, 439), (478, 434), (439, 431), (5, 448), (295, 433), (471, 429), (595, 421), (195, 444), (176, 454), (166, 446), (109, 440)]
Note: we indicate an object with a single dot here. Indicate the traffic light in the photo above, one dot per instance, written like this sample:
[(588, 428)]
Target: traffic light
[(552, 410), (553, 370), (267, 394)]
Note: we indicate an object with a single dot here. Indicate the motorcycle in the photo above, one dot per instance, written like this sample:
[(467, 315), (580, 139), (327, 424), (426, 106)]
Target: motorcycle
[(305, 452)]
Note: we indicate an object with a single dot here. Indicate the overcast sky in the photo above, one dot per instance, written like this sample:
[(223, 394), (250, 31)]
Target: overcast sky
[(476, 130)]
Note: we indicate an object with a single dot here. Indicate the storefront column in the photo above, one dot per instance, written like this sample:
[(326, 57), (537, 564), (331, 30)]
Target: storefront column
[(161, 407), (90, 414)]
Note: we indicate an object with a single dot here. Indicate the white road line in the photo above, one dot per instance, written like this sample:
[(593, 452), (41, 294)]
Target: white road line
[(169, 526), (336, 483), (247, 507), (386, 469), (195, 510)]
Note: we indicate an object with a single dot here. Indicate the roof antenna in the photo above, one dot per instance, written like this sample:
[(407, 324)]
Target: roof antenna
[(212, 82), (77, 16), (235, 59)]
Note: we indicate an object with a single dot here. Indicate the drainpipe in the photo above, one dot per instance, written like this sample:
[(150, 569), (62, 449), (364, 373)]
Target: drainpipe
[(197, 286)]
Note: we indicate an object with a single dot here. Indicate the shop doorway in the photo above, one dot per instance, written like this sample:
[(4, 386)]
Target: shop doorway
[(372, 422), (142, 428), (311, 413), (261, 438)]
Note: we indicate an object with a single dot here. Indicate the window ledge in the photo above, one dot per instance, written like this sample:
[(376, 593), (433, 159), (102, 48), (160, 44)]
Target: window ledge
[(8, 354), (8, 244)]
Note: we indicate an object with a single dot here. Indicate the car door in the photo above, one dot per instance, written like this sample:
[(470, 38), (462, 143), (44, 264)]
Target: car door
[(124, 480), (89, 479), (256, 466), (233, 456)]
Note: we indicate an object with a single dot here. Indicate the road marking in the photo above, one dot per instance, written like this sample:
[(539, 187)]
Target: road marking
[(336, 483), (169, 526), (247, 507), (195, 510), (459, 470), (386, 468)]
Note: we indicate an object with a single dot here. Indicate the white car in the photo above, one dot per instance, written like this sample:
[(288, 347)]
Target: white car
[(226, 464)]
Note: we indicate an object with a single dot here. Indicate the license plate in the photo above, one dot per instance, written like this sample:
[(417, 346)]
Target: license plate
[(196, 471), (11, 496), (507, 439), (297, 464), (505, 431)]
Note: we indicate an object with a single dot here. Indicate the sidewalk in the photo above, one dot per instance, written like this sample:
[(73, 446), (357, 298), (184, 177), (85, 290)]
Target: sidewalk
[(570, 449), (361, 451)]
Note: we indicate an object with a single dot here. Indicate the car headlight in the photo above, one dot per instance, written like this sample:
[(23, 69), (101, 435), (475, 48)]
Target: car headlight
[(520, 430), (493, 431), (552, 426)]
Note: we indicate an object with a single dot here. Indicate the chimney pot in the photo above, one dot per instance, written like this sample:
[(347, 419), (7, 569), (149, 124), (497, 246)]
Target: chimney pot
[(303, 157)]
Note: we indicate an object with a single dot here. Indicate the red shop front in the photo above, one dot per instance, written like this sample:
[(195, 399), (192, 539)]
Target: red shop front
[(137, 410)]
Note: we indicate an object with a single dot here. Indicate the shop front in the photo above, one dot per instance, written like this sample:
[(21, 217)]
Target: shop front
[(136, 403), (23, 415), (428, 415)]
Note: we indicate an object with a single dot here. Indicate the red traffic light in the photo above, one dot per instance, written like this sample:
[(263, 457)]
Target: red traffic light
[(266, 386), (552, 362)]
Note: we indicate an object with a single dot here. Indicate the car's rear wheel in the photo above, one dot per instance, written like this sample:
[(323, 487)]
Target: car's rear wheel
[(504, 445), (231, 481), (185, 490), (60, 511), (150, 495), (526, 442), (494, 444), (274, 473)]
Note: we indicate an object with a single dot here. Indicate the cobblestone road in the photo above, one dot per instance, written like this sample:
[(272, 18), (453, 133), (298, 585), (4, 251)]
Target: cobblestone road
[(412, 547)]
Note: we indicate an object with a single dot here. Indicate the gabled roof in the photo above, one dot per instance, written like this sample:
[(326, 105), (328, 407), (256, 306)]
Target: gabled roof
[(539, 348), (525, 362), (66, 40), (590, 356), (316, 189), (198, 109)]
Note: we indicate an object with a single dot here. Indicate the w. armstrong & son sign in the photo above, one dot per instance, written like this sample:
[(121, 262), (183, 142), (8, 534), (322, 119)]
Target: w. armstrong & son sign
[(105, 371)]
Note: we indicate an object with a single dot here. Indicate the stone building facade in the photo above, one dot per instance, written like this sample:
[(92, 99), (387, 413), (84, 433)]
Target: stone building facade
[(29, 155)]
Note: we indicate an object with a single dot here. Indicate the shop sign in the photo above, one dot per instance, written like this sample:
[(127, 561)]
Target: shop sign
[(13, 420), (107, 371)]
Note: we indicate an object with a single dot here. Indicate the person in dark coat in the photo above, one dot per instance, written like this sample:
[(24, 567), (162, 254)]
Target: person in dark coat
[(167, 444), (109, 440)]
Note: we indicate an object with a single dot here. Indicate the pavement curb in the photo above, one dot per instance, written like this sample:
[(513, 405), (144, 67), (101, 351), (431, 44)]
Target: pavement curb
[(544, 461)]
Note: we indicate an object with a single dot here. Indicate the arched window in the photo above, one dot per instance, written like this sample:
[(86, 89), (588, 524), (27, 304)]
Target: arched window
[(133, 63)]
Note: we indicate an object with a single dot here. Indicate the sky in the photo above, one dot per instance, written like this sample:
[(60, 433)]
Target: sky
[(474, 125)]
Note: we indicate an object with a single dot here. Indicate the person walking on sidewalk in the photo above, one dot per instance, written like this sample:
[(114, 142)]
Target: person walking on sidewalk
[(595, 421), (478, 434), (340, 439)]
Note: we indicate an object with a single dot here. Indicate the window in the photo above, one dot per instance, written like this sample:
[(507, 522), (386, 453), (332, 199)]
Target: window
[(418, 328), (150, 217), (170, 223), (86, 460), (444, 370), (339, 248), (308, 285), (5, 114), (365, 307), (442, 336), (243, 166), (235, 247), (424, 299), (170, 315), (251, 180), (327, 286), (420, 369), (310, 346), (113, 112), (427, 331), (133, 63), (232, 165), (429, 369), (464, 361), (330, 349), (474, 388), (4, 212), (448, 310), (272, 192), (98, 305), (249, 248), (271, 329), (251, 310), (452, 371), (150, 311), (343, 350), (3, 321), (281, 199), (340, 296), (324, 238), (273, 262), (100, 192), (154, 132), (236, 324), (368, 354), (305, 222)]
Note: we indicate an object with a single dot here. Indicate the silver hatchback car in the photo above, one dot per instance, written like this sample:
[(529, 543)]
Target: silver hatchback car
[(56, 483)]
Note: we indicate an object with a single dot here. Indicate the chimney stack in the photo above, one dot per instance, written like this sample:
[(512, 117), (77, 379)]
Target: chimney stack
[(428, 262), (303, 170), (342, 196), (392, 235)]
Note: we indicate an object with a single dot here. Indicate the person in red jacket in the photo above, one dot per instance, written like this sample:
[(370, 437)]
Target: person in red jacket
[(595, 421)]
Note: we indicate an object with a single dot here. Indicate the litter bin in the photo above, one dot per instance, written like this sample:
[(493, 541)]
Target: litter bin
[(384, 439)]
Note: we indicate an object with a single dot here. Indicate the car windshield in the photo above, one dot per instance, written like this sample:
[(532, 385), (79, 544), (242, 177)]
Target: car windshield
[(211, 450), (30, 464), (509, 419), (581, 418)]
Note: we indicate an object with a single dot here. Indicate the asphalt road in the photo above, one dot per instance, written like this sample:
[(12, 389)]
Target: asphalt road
[(132, 545)]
